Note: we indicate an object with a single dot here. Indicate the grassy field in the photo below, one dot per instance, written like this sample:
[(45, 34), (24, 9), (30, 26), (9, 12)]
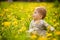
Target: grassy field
[(15, 18)]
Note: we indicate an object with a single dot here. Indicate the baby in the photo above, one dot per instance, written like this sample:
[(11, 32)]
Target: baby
[(38, 25)]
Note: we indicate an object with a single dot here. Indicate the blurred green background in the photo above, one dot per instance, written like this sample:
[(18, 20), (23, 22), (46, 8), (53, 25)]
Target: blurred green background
[(15, 18)]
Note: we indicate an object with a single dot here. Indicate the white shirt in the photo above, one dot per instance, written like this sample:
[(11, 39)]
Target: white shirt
[(40, 28)]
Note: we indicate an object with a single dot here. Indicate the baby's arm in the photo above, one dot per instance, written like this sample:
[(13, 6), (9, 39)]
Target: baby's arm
[(49, 26), (30, 27)]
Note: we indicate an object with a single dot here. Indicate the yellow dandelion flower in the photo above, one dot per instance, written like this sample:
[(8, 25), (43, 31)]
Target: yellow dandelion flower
[(54, 39), (54, 20), (6, 23), (9, 16), (21, 7), (42, 38), (19, 30), (22, 29), (15, 23), (33, 36), (57, 32), (22, 18), (29, 16), (1, 14), (49, 34), (56, 24), (5, 9)]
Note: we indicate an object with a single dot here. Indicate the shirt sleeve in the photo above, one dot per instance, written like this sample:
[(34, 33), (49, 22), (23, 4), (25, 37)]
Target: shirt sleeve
[(48, 26), (30, 27)]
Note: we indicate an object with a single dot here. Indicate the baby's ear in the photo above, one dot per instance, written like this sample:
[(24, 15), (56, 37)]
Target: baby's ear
[(40, 16)]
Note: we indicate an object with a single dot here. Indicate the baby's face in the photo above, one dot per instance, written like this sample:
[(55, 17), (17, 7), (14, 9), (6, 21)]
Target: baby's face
[(36, 15)]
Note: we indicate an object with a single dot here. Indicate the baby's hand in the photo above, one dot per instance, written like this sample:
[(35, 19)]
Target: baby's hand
[(31, 30), (52, 29)]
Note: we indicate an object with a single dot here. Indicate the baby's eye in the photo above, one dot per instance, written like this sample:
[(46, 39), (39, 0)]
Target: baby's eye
[(34, 12)]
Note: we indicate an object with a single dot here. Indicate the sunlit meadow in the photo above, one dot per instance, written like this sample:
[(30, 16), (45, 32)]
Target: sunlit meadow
[(15, 18)]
